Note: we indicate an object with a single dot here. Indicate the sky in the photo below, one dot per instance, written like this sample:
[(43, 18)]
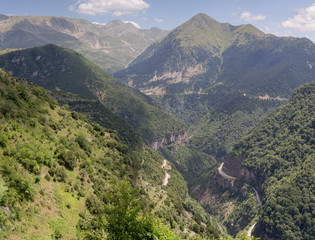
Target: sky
[(280, 17)]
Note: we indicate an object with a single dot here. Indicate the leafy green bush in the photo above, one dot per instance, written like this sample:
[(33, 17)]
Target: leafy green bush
[(83, 142), (61, 174), (94, 205), (70, 160), (3, 140)]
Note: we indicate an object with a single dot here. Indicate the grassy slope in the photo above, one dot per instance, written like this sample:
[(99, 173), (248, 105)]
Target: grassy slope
[(97, 112), (54, 67), (53, 162)]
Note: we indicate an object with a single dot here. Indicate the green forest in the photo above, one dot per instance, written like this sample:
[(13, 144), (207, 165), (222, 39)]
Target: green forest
[(64, 177), (280, 151)]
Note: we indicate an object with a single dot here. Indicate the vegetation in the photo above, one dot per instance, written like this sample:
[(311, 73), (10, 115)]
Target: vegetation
[(63, 177), (213, 77), (215, 85), (280, 152), (6, 50), (54, 68), (97, 112)]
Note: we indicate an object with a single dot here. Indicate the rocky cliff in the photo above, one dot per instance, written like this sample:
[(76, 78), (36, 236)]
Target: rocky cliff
[(233, 167), (173, 138)]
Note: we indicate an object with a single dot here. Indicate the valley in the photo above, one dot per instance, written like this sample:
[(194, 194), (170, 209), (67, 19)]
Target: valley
[(202, 132)]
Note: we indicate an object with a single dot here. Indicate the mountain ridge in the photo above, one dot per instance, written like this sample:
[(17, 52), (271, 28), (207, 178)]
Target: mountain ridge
[(218, 92), (196, 50), (56, 68), (101, 44)]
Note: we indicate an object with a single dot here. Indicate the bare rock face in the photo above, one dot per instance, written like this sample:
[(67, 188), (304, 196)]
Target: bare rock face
[(174, 138), (232, 165), (225, 183)]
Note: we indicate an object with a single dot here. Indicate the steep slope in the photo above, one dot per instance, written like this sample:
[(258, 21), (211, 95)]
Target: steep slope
[(57, 68), (221, 80), (112, 46), (188, 58), (277, 158), (280, 156), (62, 177), (94, 110)]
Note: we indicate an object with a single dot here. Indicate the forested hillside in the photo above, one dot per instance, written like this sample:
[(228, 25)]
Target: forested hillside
[(58, 68), (62, 177), (279, 154)]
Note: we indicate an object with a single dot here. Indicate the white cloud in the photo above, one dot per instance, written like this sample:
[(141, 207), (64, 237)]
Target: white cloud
[(303, 21), (114, 7), (159, 20), (248, 17), (133, 23)]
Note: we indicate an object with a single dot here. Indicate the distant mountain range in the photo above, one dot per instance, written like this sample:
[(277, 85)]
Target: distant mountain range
[(111, 46)]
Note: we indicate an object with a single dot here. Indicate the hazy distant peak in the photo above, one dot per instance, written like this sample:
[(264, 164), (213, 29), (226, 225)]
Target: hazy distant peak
[(98, 23), (120, 23), (3, 17)]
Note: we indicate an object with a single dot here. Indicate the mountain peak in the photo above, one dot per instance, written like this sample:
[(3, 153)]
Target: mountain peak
[(202, 30), (202, 17), (122, 24)]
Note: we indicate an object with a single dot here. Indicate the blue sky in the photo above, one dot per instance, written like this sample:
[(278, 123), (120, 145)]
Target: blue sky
[(280, 17)]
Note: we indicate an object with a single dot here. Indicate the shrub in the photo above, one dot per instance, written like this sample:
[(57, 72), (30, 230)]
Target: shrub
[(83, 142), (70, 160), (94, 205), (61, 174), (3, 140)]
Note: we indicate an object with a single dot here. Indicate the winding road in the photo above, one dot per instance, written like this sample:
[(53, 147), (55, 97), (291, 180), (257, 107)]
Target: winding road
[(258, 198), (167, 175), (249, 232), (224, 175)]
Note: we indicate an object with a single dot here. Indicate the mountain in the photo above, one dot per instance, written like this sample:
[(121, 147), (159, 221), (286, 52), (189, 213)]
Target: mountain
[(57, 68), (111, 46), (277, 158), (221, 80), (62, 177), (203, 52)]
